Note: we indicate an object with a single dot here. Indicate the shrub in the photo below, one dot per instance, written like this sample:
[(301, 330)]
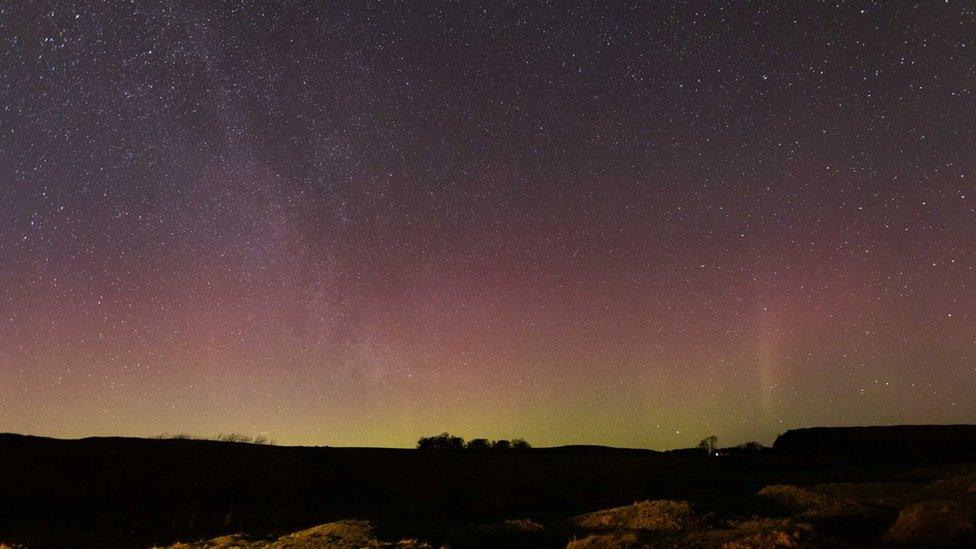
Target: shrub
[(751, 446), (443, 441), (177, 436), (501, 445), (447, 441), (243, 438), (478, 445), (221, 437)]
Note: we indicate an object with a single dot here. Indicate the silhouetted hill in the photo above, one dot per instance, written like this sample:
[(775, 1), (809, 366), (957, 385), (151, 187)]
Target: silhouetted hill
[(914, 439), (595, 449)]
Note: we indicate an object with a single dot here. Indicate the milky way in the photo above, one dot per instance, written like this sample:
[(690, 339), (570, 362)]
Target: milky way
[(355, 225)]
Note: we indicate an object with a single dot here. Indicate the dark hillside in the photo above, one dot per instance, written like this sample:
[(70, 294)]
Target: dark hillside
[(124, 492), (168, 489), (913, 439)]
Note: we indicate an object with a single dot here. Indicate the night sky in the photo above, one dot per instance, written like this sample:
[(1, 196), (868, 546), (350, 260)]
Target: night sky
[(355, 225)]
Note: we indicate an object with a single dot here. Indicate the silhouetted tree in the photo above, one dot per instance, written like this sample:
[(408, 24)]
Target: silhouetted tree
[(520, 444), (709, 444), (478, 445), (501, 445), (443, 441)]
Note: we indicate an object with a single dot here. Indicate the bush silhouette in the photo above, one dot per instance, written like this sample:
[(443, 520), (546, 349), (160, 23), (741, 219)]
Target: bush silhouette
[(244, 438), (222, 437), (443, 441), (751, 446), (478, 445), (447, 441)]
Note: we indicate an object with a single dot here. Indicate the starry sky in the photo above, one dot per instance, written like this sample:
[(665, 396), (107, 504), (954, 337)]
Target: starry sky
[(628, 224)]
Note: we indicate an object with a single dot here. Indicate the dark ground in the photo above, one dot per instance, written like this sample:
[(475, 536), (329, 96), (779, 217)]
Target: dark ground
[(139, 492)]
